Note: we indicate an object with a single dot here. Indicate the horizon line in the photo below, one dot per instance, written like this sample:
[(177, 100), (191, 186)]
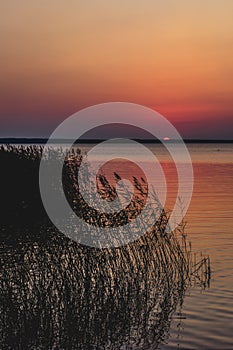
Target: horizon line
[(43, 140)]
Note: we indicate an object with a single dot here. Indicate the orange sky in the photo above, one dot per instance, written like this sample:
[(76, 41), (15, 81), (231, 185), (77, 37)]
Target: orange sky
[(173, 55)]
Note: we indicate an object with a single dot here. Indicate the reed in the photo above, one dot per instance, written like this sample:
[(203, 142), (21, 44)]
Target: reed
[(58, 294)]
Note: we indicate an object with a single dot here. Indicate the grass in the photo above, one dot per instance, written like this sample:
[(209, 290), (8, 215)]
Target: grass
[(58, 294)]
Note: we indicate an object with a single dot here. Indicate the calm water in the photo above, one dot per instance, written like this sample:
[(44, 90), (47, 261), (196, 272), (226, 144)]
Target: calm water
[(207, 316), (206, 319)]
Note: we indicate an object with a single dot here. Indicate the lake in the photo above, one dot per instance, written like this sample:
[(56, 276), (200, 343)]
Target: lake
[(50, 283), (209, 314), (207, 321)]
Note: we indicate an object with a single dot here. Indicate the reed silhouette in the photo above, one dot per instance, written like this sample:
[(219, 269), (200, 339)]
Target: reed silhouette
[(58, 294)]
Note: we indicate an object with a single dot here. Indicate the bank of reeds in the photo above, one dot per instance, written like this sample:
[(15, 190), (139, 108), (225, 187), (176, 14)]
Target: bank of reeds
[(58, 294)]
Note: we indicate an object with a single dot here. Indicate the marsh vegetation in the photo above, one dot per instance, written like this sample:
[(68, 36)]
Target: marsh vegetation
[(58, 294)]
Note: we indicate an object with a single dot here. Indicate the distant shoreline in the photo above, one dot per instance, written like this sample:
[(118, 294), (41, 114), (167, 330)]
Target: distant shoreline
[(42, 141)]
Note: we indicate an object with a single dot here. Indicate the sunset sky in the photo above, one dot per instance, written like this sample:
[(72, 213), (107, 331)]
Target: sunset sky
[(174, 56)]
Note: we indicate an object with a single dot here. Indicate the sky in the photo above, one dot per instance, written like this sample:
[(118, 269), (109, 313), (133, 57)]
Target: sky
[(59, 56)]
